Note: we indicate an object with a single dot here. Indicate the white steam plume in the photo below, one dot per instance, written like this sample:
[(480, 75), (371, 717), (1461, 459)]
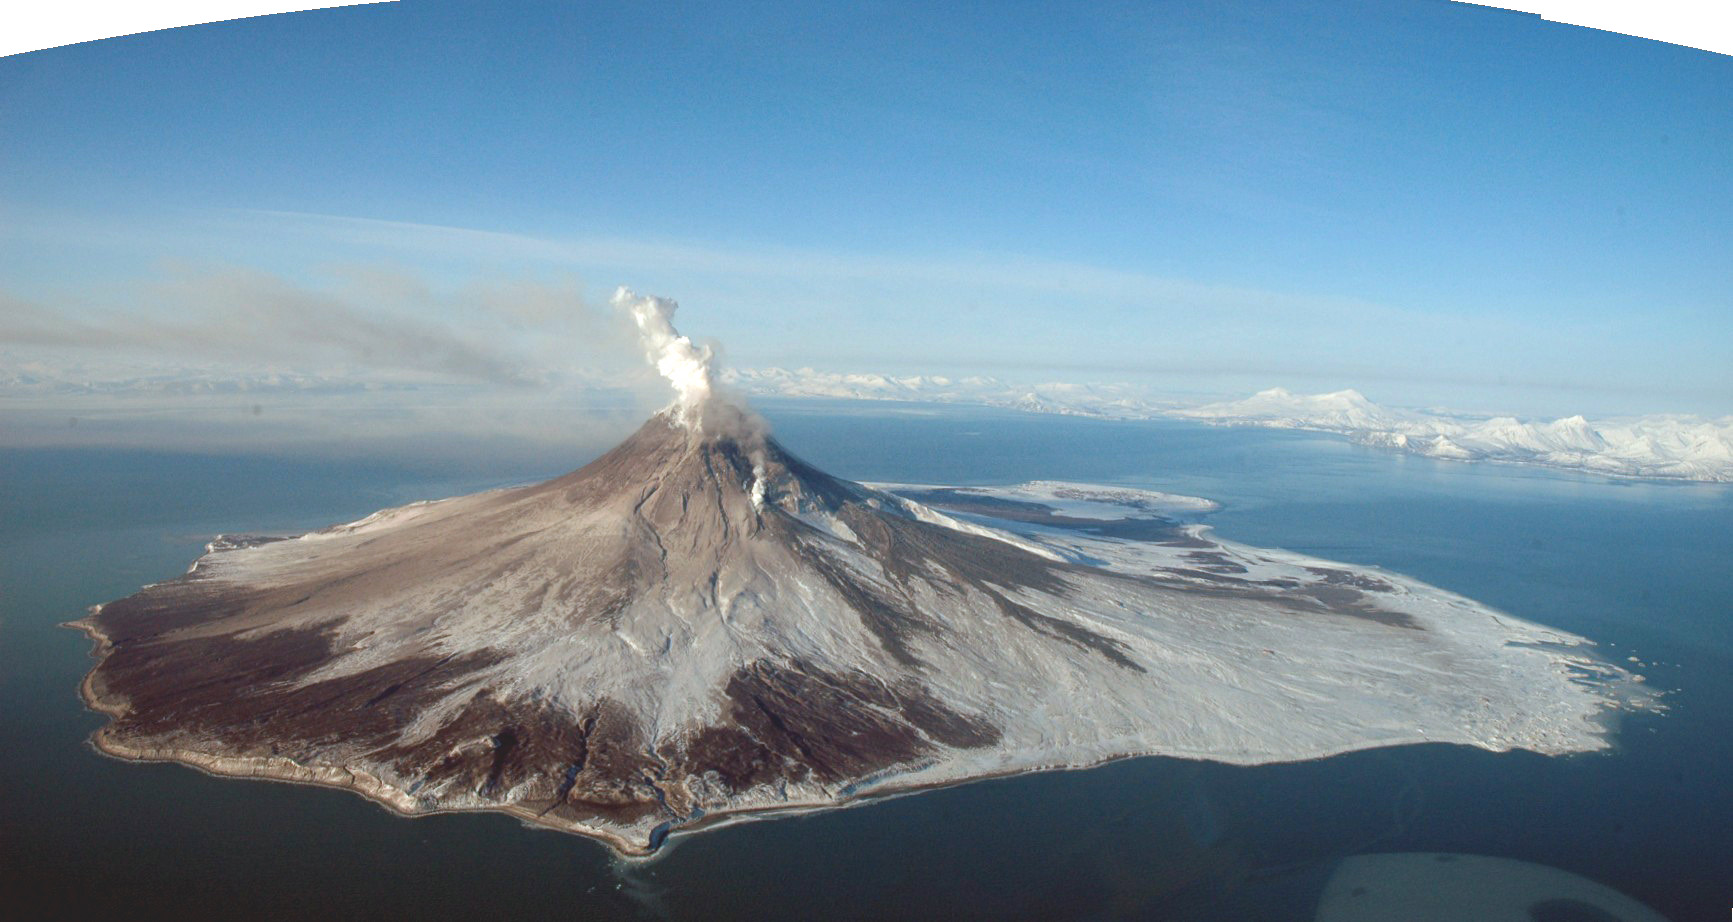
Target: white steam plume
[(700, 401), (686, 366)]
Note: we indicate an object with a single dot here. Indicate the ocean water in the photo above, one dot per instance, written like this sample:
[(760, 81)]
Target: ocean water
[(1641, 567)]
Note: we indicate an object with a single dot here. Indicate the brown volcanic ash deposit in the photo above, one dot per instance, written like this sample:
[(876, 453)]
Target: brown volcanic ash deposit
[(698, 625)]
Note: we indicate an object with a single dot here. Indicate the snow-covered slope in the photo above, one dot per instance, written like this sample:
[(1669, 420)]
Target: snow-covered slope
[(1081, 501), (1339, 411)]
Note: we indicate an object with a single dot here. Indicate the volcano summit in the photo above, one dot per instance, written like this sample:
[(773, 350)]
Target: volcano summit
[(698, 626)]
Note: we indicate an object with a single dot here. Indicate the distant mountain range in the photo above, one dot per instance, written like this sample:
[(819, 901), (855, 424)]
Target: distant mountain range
[(1670, 446), (1673, 446)]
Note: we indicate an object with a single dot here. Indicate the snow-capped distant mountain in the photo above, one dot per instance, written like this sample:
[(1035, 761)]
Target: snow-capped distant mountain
[(1667, 446), (1673, 446), (1339, 411)]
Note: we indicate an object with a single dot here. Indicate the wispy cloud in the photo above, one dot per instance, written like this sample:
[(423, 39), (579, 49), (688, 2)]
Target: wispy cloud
[(974, 311), (362, 358), (975, 270), (406, 302), (383, 321)]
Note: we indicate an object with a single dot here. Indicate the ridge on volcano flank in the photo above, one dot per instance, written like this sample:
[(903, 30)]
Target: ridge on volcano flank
[(699, 625)]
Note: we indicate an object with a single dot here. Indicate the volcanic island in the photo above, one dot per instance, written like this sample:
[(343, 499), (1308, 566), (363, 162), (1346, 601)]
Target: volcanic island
[(698, 628)]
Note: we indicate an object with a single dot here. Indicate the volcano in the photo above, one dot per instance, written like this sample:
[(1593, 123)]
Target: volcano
[(698, 626)]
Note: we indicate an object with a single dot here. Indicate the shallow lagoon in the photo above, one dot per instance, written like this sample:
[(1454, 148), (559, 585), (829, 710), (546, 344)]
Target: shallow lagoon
[(1638, 566)]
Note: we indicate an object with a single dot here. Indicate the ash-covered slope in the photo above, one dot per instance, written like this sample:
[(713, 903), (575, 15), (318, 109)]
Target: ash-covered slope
[(698, 625)]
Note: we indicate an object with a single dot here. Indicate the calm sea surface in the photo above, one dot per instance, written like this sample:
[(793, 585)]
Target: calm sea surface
[(1646, 569)]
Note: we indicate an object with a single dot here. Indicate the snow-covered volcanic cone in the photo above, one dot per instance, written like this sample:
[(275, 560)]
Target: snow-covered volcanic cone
[(698, 625)]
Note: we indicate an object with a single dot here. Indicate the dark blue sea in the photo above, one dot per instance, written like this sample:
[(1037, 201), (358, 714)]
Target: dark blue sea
[(1644, 568)]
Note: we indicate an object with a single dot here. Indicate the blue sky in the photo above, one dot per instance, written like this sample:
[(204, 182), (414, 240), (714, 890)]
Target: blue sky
[(1431, 202)]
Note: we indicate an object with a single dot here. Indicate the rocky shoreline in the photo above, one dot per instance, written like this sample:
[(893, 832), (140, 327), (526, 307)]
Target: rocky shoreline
[(403, 804)]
